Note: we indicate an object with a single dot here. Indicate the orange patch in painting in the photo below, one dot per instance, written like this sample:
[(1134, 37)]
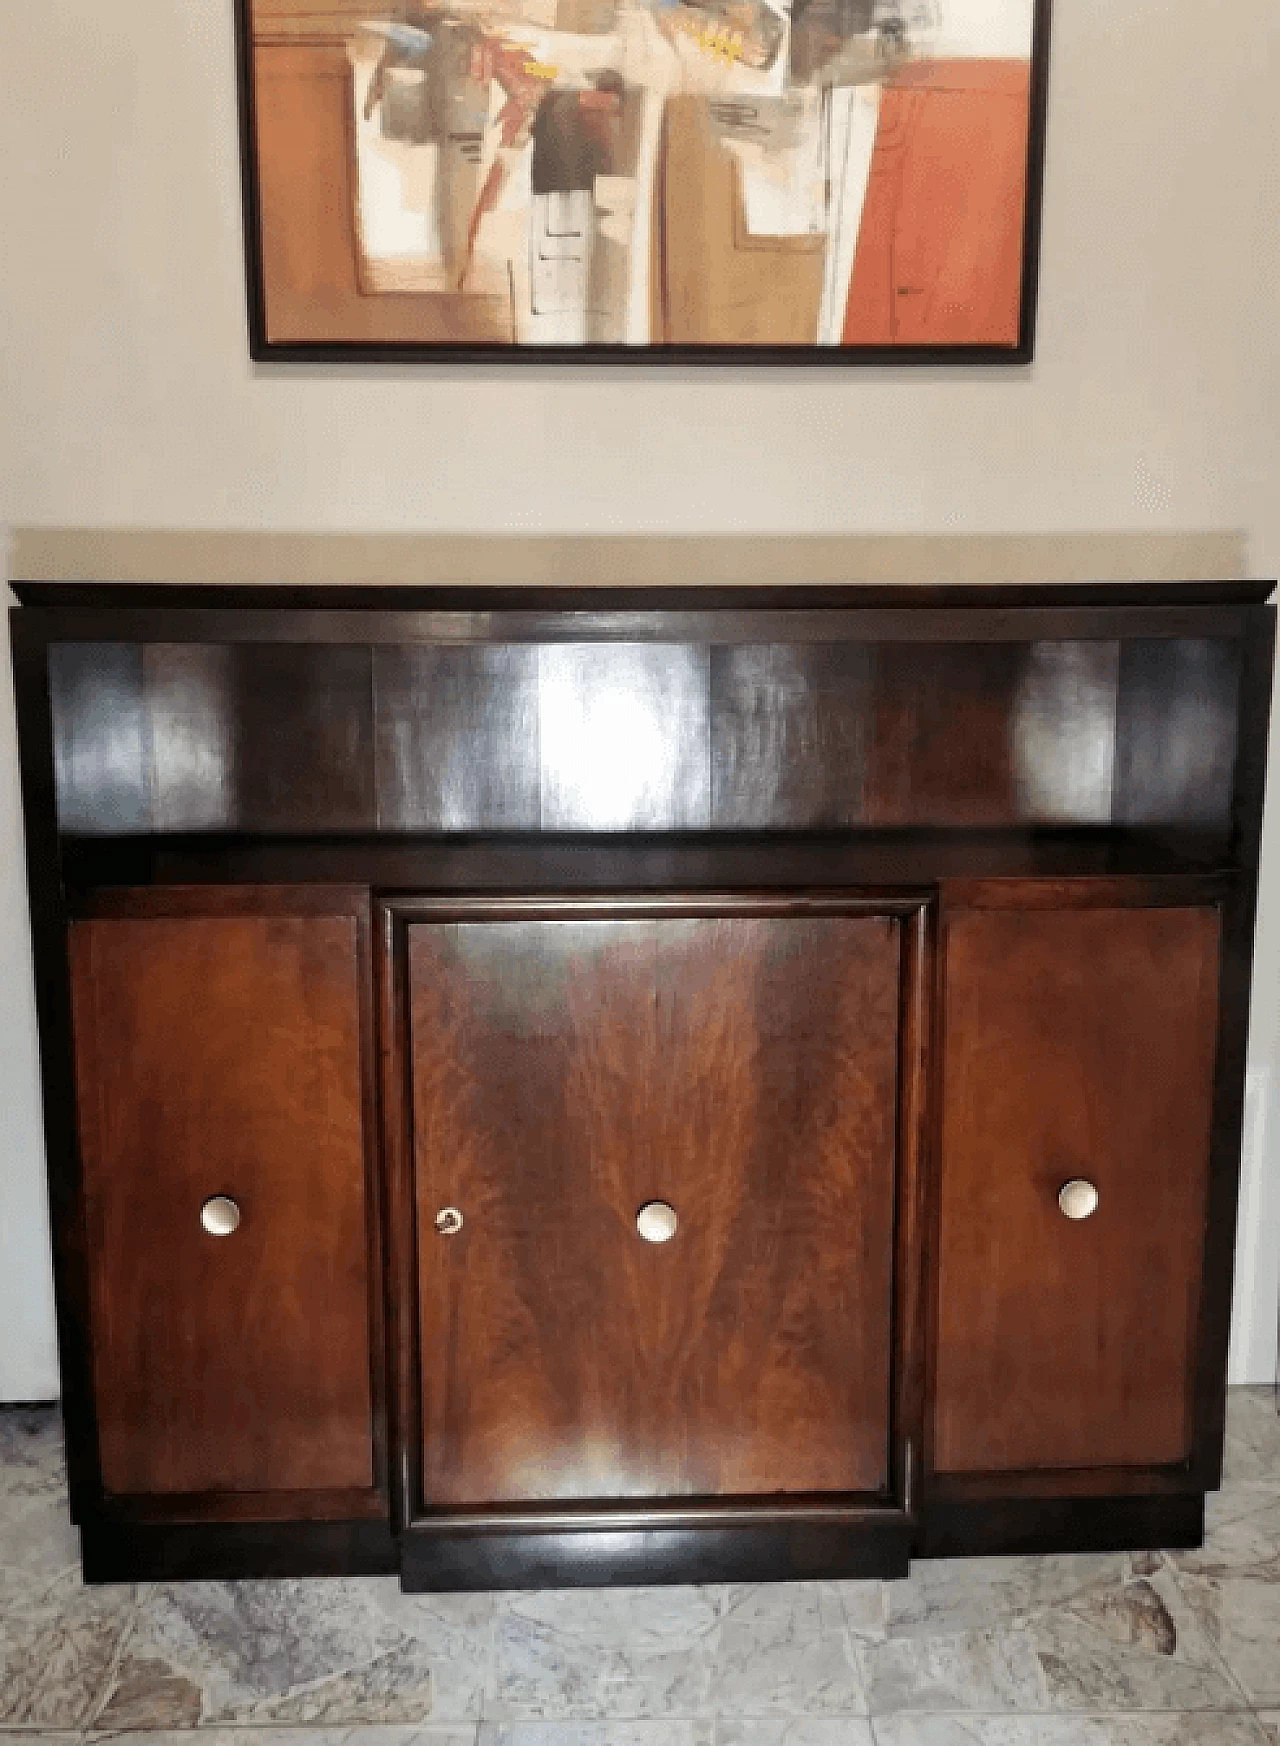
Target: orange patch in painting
[(939, 255)]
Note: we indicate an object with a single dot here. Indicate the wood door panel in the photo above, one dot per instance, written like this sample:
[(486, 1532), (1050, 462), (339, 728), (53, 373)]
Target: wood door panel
[(566, 1072), (1079, 1043), (220, 1054)]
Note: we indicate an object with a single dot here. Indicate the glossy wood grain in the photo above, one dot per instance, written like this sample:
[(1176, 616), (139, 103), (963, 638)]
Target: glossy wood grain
[(1062, 733), (219, 1054), (101, 738), (565, 1073), (305, 739), (972, 735), (554, 862), (890, 735), (942, 742), (1178, 706), (699, 616), (784, 736), (1078, 1043), (457, 732), (654, 600), (196, 742), (261, 738), (640, 1557), (792, 729), (624, 737)]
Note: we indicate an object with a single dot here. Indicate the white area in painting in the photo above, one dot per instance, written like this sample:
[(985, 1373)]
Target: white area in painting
[(853, 118), (784, 194), (389, 228), (391, 232), (995, 28), (560, 228), (777, 208)]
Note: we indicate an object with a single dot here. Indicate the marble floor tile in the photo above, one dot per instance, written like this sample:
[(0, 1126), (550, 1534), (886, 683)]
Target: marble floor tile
[(1233, 1503), (57, 1653), (1204, 1729), (332, 1653), (58, 1639), (866, 1608), (453, 1632), (594, 1653), (754, 1650), (785, 1649), (595, 1734), (1130, 1643), (429, 1734), (975, 1594), (1252, 1452), (31, 1458), (41, 1737), (38, 1545), (806, 1731), (1233, 1584), (1243, 1535), (972, 1670), (1133, 1647)]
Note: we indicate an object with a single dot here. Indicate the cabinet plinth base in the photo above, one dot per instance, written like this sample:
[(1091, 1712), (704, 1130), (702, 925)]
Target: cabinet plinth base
[(793, 1552), (428, 1561), (1015, 1526), (236, 1551)]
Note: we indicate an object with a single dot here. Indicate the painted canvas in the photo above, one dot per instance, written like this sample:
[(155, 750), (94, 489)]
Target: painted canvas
[(808, 180)]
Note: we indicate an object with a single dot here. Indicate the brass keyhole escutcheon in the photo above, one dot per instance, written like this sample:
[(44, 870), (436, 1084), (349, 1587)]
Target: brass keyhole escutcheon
[(220, 1216), (656, 1221), (449, 1221)]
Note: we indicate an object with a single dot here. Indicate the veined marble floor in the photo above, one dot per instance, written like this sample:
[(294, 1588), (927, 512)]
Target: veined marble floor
[(1180, 1649)]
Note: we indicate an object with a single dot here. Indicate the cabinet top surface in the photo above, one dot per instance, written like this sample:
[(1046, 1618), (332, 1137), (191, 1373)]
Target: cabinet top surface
[(95, 597)]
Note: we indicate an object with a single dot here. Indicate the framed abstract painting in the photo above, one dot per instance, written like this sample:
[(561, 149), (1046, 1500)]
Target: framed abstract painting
[(774, 181)]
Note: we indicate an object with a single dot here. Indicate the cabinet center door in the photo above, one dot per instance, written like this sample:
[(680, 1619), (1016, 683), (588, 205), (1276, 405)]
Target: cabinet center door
[(741, 1071)]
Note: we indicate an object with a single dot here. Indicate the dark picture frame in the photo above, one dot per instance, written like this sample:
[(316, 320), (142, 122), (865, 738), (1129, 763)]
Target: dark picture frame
[(307, 302)]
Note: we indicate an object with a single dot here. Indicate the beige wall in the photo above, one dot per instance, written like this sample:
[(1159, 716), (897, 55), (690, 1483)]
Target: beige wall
[(127, 400)]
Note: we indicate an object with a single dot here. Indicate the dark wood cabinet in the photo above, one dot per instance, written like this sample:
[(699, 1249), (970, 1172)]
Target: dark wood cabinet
[(582, 1086)]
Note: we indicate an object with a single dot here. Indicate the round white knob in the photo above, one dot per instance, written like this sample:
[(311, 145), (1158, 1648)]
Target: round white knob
[(656, 1221), (449, 1221), (220, 1216), (1078, 1199)]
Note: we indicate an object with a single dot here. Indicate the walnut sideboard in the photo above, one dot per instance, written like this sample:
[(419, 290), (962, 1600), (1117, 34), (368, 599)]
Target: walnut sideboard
[(567, 1085)]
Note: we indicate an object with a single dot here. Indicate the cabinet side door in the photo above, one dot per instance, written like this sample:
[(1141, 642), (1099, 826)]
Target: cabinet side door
[(218, 1059), (1080, 1047)]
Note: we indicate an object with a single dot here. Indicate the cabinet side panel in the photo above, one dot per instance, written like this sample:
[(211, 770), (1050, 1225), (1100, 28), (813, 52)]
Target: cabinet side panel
[(220, 1055), (1079, 1044)]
